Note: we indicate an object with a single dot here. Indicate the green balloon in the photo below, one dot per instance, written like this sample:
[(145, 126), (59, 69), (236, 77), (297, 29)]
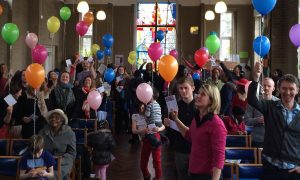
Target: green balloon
[(10, 33), (212, 43), (65, 13)]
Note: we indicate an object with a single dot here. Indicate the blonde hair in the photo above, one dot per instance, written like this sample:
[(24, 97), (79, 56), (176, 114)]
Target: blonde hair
[(214, 96)]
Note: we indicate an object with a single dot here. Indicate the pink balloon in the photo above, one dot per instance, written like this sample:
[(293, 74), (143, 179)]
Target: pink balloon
[(39, 54), (174, 53), (155, 51), (144, 92), (31, 40), (82, 28), (94, 99)]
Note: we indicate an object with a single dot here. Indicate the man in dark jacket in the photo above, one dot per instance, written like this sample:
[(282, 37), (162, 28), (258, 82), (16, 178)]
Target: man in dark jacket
[(281, 153)]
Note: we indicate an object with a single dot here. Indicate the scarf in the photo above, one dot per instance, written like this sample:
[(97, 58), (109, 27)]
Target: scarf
[(64, 96), (85, 105)]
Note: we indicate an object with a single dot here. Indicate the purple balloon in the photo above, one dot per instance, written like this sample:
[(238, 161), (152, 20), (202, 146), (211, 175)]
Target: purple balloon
[(31, 40), (205, 49), (295, 35), (174, 53), (82, 28), (155, 51), (39, 54)]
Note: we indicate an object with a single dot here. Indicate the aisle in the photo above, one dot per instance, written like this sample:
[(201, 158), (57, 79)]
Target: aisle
[(126, 164)]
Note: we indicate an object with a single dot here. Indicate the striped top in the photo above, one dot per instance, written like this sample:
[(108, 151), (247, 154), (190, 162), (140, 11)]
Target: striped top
[(153, 114)]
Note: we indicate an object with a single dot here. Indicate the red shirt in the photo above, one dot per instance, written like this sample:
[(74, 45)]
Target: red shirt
[(232, 126), (208, 146), (237, 102)]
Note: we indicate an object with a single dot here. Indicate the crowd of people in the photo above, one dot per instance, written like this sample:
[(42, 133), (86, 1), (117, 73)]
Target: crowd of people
[(208, 109)]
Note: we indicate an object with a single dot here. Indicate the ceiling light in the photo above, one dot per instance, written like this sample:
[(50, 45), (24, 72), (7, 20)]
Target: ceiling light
[(220, 7), (101, 15), (83, 7), (209, 15)]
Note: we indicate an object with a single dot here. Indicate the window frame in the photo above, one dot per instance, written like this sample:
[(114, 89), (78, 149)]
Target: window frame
[(230, 38)]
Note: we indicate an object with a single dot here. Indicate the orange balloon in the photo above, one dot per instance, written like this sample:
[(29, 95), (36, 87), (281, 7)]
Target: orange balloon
[(88, 18), (35, 75), (1, 9), (168, 67)]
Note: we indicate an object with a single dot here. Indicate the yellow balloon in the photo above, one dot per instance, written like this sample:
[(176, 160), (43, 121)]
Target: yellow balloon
[(140, 61), (131, 61), (95, 48), (53, 24), (132, 55)]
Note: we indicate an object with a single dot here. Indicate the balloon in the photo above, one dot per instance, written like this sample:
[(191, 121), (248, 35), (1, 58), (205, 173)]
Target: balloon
[(94, 99), (264, 7), (95, 48), (261, 45), (174, 53), (107, 40), (53, 24), (10, 33), (160, 35), (294, 35), (155, 51), (100, 54), (88, 18), (35, 75), (82, 28), (144, 92), (109, 75), (1, 10), (107, 51), (132, 55), (201, 57), (212, 43), (205, 49), (31, 40), (196, 76), (39, 54), (131, 61), (168, 67), (65, 13)]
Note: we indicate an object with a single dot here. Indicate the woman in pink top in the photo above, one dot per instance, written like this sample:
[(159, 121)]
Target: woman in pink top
[(207, 134)]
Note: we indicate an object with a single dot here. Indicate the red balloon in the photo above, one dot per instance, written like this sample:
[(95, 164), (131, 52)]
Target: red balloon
[(82, 28), (39, 54), (201, 57)]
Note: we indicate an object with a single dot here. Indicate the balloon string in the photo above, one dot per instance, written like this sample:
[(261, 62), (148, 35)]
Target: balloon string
[(64, 48), (34, 112), (9, 75)]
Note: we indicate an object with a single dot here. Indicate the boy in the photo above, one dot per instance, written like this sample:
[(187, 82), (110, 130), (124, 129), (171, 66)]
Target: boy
[(36, 163)]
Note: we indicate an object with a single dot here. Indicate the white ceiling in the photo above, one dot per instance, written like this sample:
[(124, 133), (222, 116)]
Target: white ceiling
[(182, 2)]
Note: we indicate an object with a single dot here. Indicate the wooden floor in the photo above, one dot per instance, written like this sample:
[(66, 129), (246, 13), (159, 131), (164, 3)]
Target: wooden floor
[(126, 164)]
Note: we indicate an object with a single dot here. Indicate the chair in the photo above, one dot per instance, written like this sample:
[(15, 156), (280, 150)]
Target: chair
[(259, 153), (9, 167), (228, 171), (4, 147), (249, 129), (248, 171), (246, 155), (238, 140), (57, 166), (90, 124), (81, 143), (18, 146), (81, 136)]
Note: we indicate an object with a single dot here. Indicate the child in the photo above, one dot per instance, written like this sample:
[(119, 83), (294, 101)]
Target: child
[(36, 163), (235, 123), (153, 119), (102, 143)]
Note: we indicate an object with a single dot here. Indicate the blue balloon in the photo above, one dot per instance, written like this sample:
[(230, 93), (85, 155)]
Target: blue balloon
[(196, 76), (100, 54), (160, 35), (107, 40), (107, 51), (261, 45), (109, 75), (265, 6)]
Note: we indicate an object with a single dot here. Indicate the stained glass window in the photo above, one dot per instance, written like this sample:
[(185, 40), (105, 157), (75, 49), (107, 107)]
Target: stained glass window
[(152, 17)]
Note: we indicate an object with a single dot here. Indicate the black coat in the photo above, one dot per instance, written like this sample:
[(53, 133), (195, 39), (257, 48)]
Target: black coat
[(102, 143)]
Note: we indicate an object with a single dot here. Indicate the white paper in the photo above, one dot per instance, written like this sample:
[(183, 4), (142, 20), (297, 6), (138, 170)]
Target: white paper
[(106, 86), (10, 100), (102, 115), (171, 103), (102, 68), (101, 89), (151, 126), (119, 79), (81, 58), (68, 62), (174, 126), (119, 60), (90, 60), (32, 116)]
